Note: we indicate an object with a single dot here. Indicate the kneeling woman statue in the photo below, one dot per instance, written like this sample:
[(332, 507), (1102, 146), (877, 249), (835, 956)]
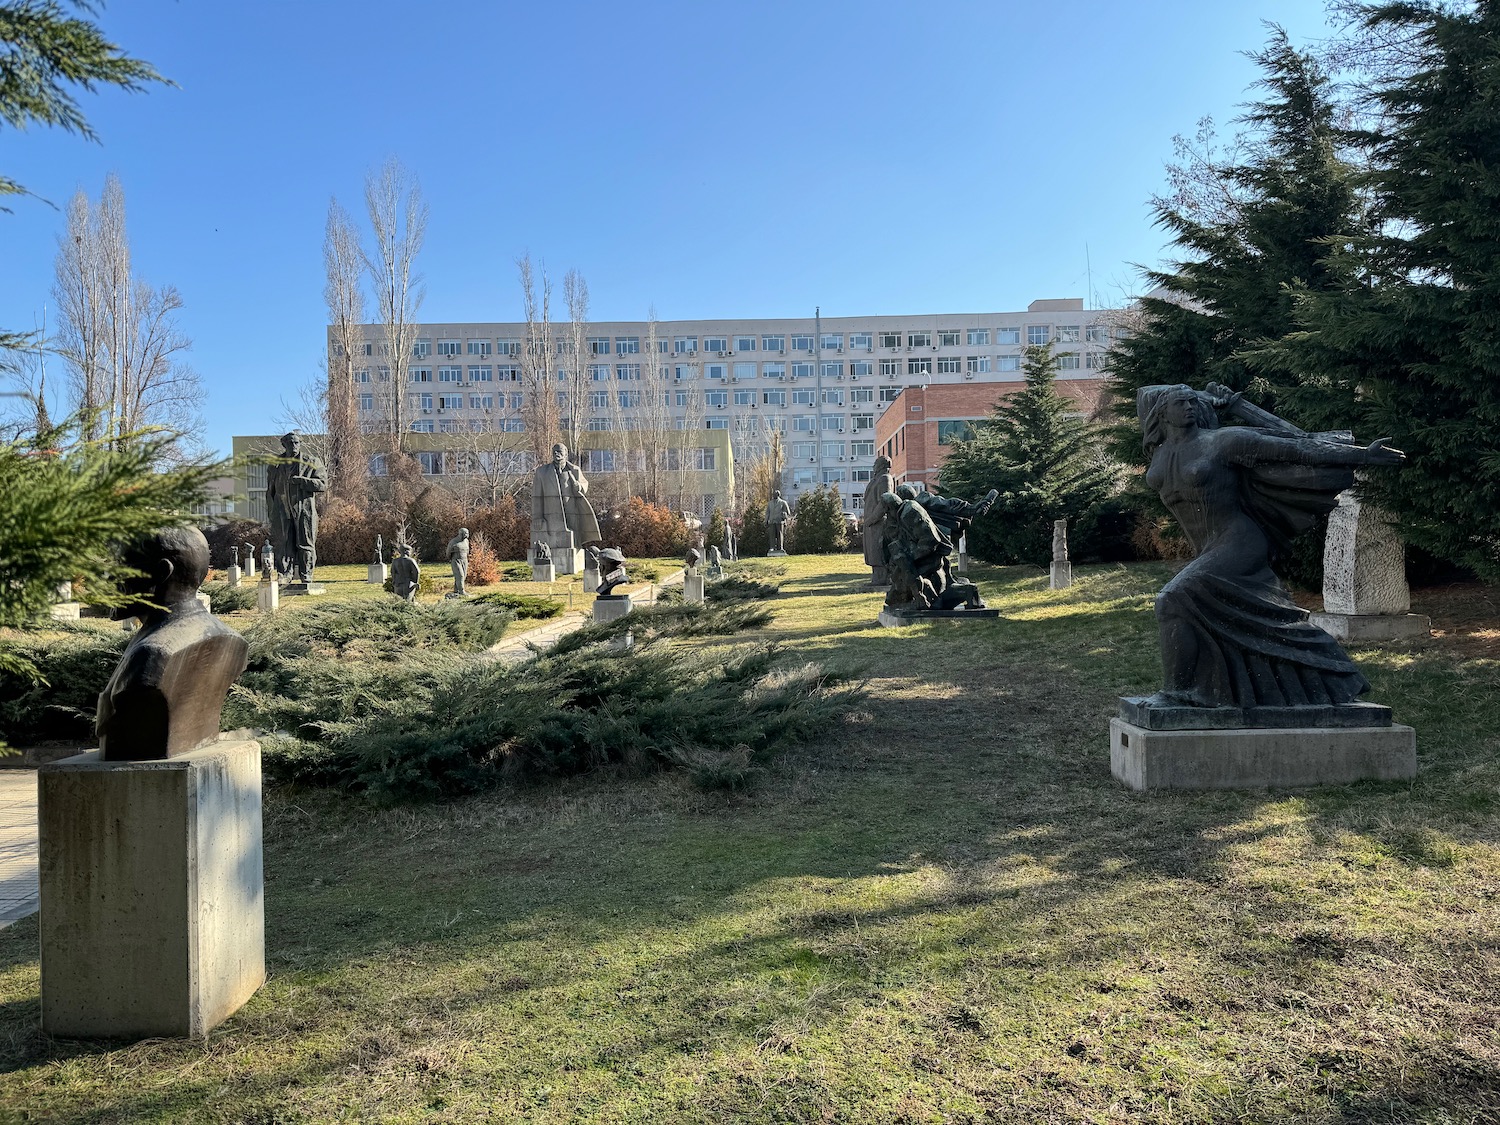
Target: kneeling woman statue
[(1230, 634)]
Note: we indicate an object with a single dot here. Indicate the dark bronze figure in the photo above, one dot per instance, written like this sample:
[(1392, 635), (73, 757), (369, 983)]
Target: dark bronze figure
[(919, 529)]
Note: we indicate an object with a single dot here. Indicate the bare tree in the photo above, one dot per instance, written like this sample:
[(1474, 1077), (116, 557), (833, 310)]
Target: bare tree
[(344, 268), (537, 385), (118, 334), (576, 382), (398, 222)]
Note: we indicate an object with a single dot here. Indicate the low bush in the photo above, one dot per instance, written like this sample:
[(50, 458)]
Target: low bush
[(515, 572), (737, 588), (224, 598), (378, 629), (525, 606), (645, 530), (484, 564), (75, 662)]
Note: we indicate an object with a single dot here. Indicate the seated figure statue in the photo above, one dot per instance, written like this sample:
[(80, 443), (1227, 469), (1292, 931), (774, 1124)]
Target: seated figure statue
[(166, 693), (918, 531)]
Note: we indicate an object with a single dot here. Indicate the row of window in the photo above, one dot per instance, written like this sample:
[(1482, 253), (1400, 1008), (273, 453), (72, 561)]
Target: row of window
[(799, 342), (445, 462), (633, 399)]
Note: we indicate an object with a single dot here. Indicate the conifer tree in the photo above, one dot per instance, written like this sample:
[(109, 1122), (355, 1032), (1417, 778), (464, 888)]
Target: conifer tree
[(1046, 461), (818, 525), (1407, 343)]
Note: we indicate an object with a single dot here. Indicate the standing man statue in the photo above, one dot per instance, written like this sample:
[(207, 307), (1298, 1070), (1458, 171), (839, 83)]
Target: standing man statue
[(875, 513), (458, 559), (561, 515), (292, 486), (778, 511), (406, 575)]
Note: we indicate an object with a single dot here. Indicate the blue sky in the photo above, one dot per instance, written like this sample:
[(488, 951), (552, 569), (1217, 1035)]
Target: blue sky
[(710, 159)]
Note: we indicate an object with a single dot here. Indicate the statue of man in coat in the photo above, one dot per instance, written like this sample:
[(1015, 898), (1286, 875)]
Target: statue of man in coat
[(293, 482), (561, 515), (873, 520)]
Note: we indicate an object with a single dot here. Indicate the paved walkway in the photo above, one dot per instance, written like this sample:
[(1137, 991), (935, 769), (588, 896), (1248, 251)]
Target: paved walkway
[(18, 858), (518, 648)]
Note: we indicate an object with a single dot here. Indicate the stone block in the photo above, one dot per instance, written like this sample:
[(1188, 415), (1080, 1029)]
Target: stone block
[(1351, 628), (204, 600), (303, 590), (692, 589), (67, 611), (152, 916), (1062, 575), (1151, 714), (590, 581), (892, 620), (775, 554), (377, 573), (543, 572), (567, 560), (1364, 562), (1284, 758), (268, 597), (234, 576), (610, 607)]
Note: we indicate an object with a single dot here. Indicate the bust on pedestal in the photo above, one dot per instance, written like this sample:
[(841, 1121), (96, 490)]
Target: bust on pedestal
[(610, 605), (150, 847)]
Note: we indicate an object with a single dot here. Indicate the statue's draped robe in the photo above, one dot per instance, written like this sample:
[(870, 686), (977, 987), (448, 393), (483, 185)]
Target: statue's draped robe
[(292, 487), (874, 518), (559, 503)]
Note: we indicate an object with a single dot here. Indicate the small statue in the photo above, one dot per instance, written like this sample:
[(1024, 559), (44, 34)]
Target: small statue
[(778, 511), (731, 543), (458, 559), (1231, 636), (166, 692), (616, 575), (406, 575), (715, 560), (379, 550), (268, 562), (691, 560), (541, 554), (293, 482), (249, 557), (919, 529)]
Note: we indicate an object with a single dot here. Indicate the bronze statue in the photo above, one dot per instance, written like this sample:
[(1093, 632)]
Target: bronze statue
[(615, 575), (778, 511), (1230, 634), (919, 529), (872, 519), (166, 692), (292, 486), (406, 575)]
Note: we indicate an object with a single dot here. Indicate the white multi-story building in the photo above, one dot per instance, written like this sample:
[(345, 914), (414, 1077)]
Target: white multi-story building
[(818, 382)]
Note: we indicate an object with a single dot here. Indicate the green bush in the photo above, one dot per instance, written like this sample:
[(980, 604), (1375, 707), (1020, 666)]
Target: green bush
[(818, 526), (753, 537), (524, 606), (515, 572), (75, 662), (376, 630), (224, 598), (736, 588)]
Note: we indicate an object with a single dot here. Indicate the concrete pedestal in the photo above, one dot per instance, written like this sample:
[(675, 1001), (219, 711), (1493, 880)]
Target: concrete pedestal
[(1355, 627), (892, 620), (152, 918), (67, 611), (268, 597), (590, 581), (234, 576), (611, 607), (567, 560), (543, 572), (775, 554), (1062, 575), (377, 573), (692, 589), (1284, 758), (303, 589), (204, 600)]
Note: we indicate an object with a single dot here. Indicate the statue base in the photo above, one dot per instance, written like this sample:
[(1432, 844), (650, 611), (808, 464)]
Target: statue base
[(377, 573), (567, 560), (714, 573), (775, 554), (268, 597), (234, 576), (1150, 713), (590, 581), (891, 619), (692, 589), (1062, 575), (303, 589), (1276, 758), (543, 572), (67, 611), (1356, 627), (152, 919), (611, 607)]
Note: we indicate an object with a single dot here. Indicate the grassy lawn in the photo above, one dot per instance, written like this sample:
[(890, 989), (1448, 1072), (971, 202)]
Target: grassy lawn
[(946, 912)]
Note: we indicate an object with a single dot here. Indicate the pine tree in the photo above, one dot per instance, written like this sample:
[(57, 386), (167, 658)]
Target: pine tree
[(1046, 461), (716, 528), (1409, 338), (1248, 232), (818, 526)]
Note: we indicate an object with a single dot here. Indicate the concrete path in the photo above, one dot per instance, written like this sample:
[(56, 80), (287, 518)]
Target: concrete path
[(18, 857), (518, 647)]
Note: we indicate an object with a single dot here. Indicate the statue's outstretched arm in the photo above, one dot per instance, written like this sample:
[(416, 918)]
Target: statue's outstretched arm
[(1233, 403), (1244, 446)]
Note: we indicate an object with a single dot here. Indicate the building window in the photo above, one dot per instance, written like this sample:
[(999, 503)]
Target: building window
[(948, 339), (1067, 333), (1067, 361), (508, 347), (833, 422), (802, 343), (479, 347), (805, 450), (598, 400), (715, 370), (773, 370), (803, 478), (804, 397), (863, 422), (862, 449), (744, 398), (890, 368), (861, 367), (833, 396), (598, 425), (773, 343), (682, 371), (978, 337), (362, 375), (448, 426), (450, 374), (861, 340), (919, 339), (598, 345), (629, 399), (744, 371), (424, 401), (628, 372), (862, 394), (949, 365), (977, 364), (513, 426), (1008, 336), (422, 427), (627, 345), (482, 402), (774, 398), (716, 424), (417, 374), (1038, 334), (479, 374), (508, 373), (744, 343), (421, 349), (888, 394), (804, 423), (450, 402), (833, 371), (367, 401), (1096, 361), (1096, 334), (715, 343), (1008, 363), (949, 432), (377, 464), (890, 339), (919, 367), (802, 371), (515, 400), (833, 450), (833, 476), (715, 398), (599, 372), (450, 347), (832, 341)]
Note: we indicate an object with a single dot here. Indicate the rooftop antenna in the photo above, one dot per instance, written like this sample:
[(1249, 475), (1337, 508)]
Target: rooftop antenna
[(1089, 266)]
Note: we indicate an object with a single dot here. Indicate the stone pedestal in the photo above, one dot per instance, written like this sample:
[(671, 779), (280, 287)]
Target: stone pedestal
[(590, 581), (1062, 575), (567, 560), (377, 573), (249, 566), (893, 620), (714, 573), (303, 589), (268, 597), (1365, 596), (204, 600), (775, 554), (692, 589), (543, 572), (67, 611), (612, 606), (152, 920), (233, 576), (1288, 757)]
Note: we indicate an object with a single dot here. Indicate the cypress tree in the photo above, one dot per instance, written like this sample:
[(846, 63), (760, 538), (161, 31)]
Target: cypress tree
[(1046, 461), (818, 526)]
